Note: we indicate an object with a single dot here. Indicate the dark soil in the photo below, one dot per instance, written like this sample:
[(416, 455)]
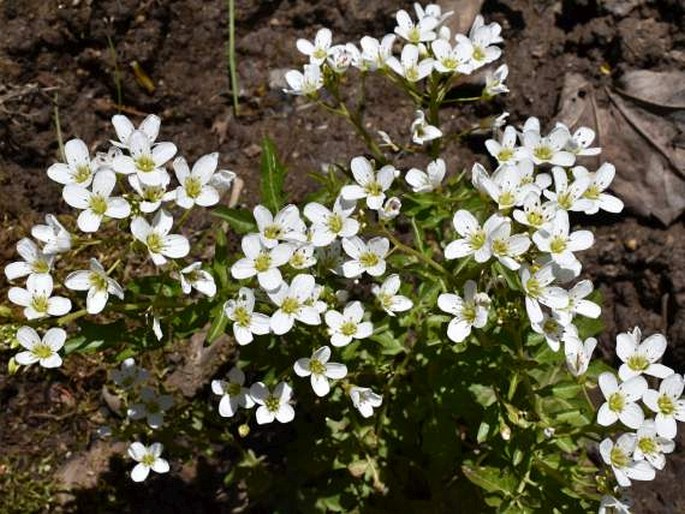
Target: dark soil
[(57, 58)]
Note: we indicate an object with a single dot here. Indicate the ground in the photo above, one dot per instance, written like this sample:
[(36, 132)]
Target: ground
[(72, 60)]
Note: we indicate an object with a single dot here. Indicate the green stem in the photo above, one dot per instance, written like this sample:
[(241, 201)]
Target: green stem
[(231, 55), (409, 250)]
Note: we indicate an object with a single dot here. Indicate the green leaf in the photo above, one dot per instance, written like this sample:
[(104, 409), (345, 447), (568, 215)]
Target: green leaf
[(218, 327), (491, 479), (240, 221), (273, 174), (484, 395)]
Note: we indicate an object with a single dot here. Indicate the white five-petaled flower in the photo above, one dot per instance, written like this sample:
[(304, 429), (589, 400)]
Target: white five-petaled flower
[(415, 32), (43, 351), (375, 54), (53, 235), (195, 186), (193, 276), (475, 239), (505, 150), (553, 331), (151, 406), (285, 226), (422, 131), (549, 149), (470, 311), (595, 194), (305, 83), (641, 357), (262, 261), (387, 296), (578, 353), (303, 257), (98, 284), (148, 458), (370, 184), (273, 406), (319, 49), (151, 196), (494, 82), (365, 257), (341, 57), (391, 209), (409, 65), (451, 59), (481, 41), (539, 291), (580, 141), (534, 214), (329, 224), (35, 261), (246, 322), (507, 247), (124, 128), (365, 400), (568, 196), (320, 370), (619, 457), (348, 325), (650, 446), (621, 400), (37, 298), (79, 169), (146, 161), (431, 11), (233, 393), (423, 182), (292, 302), (668, 404), (98, 203), (577, 304), (156, 238), (129, 374), (556, 239)]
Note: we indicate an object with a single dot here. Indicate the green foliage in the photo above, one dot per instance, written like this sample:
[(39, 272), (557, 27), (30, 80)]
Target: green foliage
[(272, 176)]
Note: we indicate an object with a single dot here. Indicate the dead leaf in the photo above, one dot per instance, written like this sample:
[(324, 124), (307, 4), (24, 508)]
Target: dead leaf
[(640, 123)]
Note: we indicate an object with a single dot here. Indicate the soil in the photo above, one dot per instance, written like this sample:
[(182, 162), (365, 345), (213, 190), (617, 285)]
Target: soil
[(73, 59)]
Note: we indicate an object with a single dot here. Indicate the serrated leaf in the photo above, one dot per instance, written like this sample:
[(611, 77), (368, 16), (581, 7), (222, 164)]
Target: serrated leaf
[(272, 178), (241, 221)]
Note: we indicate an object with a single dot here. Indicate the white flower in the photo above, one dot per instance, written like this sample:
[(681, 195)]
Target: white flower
[(494, 82), (621, 400), (409, 66), (534, 214), (554, 238), (129, 374), (307, 83), (533, 182), (449, 59), (156, 238), (618, 456), (505, 150), (548, 149), (314, 300), (37, 300), (595, 193), (151, 196), (53, 235), (148, 458), (415, 33), (196, 188), (245, 321), (553, 331), (568, 196), (506, 247), (98, 284), (365, 257), (579, 143), (370, 184), (151, 406), (348, 325), (274, 405), (318, 50), (538, 291), (291, 301), (103, 160), (432, 11), (481, 40), (285, 226), (43, 351), (639, 358), (193, 276), (124, 128), (327, 224), (365, 400), (375, 54), (320, 370), (387, 296), (391, 209), (651, 446), (79, 169), (35, 261), (423, 182), (507, 186), (475, 239), (96, 204), (233, 393), (341, 57), (262, 261), (578, 354), (667, 404), (145, 160), (611, 505), (471, 311), (303, 257), (421, 131), (578, 305)]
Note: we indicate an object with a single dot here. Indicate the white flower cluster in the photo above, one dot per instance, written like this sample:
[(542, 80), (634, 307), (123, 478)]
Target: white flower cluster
[(89, 186), (638, 455)]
